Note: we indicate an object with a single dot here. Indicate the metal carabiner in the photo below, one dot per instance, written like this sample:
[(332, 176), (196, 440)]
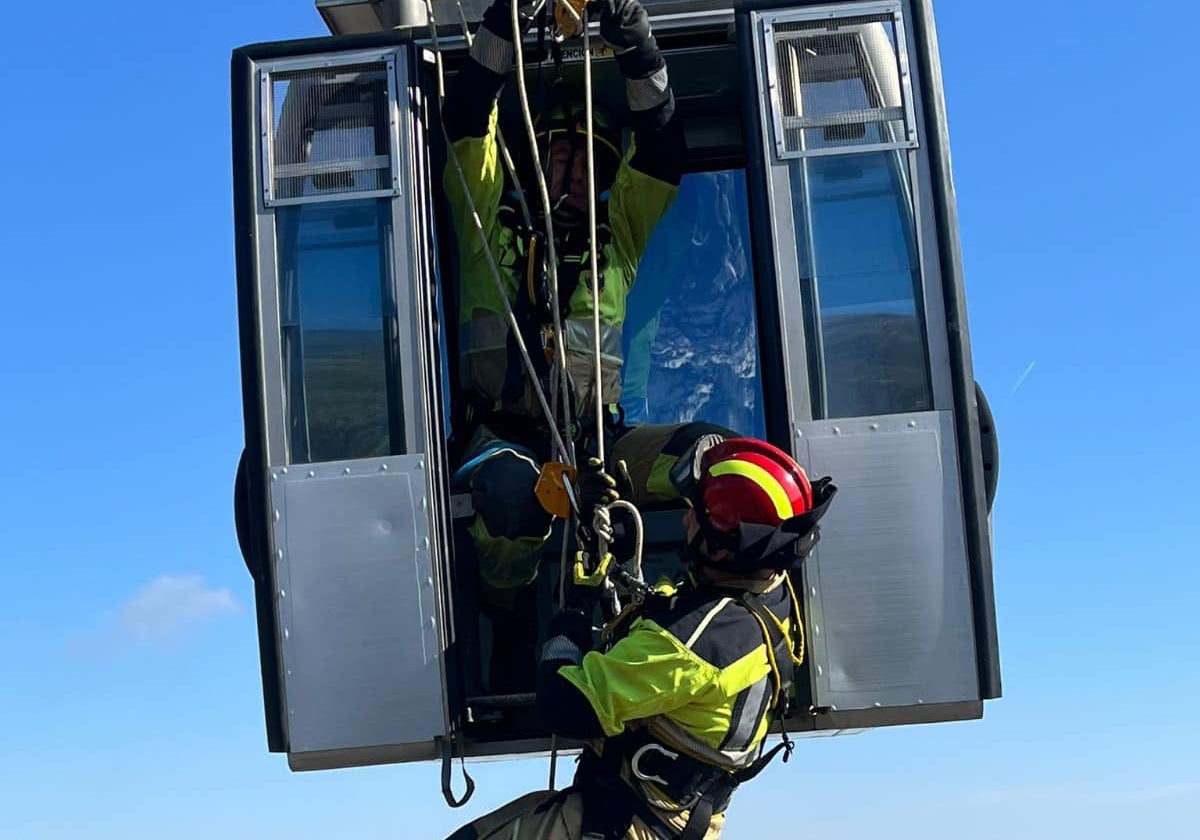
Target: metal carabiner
[(637, 757)]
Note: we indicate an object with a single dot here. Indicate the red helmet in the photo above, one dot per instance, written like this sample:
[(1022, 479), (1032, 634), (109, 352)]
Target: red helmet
[(744, 480)]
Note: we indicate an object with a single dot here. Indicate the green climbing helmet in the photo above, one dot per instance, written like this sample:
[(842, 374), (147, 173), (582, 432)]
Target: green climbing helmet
[(561, 121)]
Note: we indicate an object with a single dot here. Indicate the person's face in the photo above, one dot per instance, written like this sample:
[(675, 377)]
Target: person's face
[(567, 183), (691, 527)]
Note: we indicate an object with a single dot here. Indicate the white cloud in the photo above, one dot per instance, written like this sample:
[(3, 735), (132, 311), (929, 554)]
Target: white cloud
[(170, 605)]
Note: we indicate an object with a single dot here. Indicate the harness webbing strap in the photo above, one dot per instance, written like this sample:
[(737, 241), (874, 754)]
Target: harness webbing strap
[(697, 786), (699, 819)]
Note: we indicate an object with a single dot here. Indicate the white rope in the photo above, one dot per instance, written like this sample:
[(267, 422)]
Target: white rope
[(559, 377), (640, 528), (593, 256), (560, 347), (595, 270), (604, 534), (602, 524), (493, 268)]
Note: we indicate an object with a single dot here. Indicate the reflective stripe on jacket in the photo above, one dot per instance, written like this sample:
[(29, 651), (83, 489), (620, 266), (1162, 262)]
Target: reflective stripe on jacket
[(695, 671)]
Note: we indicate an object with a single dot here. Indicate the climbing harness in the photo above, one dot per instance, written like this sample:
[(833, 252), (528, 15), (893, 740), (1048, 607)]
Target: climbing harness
[(638, 773)]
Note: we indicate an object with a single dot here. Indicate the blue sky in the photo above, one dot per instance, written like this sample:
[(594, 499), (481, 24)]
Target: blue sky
[(1078, 201)]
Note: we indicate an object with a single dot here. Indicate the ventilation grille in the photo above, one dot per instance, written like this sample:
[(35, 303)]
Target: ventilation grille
[(330, 133), (839, 82)]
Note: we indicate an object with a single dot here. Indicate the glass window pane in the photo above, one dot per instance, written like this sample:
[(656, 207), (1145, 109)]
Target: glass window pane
[(861, 273), (691, 332), (338, 323)]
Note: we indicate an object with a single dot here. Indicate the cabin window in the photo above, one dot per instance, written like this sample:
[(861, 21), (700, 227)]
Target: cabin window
[(843, 124), (691, 330), (861, 273), (338, 325), (331, 132)]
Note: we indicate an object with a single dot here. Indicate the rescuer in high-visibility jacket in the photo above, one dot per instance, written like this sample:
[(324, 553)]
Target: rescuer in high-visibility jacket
[(507, 434), (677, 702)]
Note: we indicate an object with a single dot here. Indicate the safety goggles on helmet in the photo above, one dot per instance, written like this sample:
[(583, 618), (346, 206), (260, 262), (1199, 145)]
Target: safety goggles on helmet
[(685, 473)]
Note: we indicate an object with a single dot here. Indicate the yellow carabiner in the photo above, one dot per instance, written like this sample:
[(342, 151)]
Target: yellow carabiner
[(582, 576)]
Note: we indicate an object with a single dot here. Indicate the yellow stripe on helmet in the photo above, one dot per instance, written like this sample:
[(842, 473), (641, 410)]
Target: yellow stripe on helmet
[(765, 481)]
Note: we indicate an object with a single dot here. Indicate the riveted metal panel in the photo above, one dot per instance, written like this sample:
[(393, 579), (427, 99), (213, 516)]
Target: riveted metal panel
[(887, 591), (356, 604)]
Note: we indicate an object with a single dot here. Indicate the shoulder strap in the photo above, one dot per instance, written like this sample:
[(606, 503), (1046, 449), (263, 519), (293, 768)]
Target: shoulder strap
[(776, 643)]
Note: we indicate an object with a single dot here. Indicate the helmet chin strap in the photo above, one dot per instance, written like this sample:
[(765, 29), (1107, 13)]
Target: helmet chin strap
[(690, 553), (708, 540)]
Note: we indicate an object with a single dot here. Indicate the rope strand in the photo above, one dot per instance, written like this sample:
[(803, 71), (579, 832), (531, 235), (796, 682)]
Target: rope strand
[(493, 268)]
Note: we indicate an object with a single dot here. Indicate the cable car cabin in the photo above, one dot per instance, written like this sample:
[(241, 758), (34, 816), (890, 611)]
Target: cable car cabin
[(804, 287)]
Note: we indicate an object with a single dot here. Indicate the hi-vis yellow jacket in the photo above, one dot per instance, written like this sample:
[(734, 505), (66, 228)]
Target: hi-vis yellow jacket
[(697, 670), (636, 202)]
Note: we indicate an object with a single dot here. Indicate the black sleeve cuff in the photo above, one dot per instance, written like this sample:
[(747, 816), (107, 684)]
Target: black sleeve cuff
[(561, 707), (574, 624), (468, 106), (498, 18), (642, 60), (660, 148)]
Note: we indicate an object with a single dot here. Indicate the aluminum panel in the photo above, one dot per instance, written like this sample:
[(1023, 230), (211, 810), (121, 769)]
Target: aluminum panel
[(356, 604), (887, 592)]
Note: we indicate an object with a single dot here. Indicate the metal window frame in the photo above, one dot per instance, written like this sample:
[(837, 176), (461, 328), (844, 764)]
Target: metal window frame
[(258, 306), (796, 331), (770, 45), (948, 347), (269, 69), (400, 256)]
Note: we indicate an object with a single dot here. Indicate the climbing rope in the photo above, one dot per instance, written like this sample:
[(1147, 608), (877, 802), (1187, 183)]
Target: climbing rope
[(565, 448), (595, 269), (560, 347), (493, 268), (634, 567)]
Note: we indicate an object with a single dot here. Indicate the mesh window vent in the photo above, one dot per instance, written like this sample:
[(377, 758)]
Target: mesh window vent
[(329, 133), (838, 80)]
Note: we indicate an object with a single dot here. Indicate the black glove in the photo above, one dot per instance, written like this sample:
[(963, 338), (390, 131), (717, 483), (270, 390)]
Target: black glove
[(575, 624), (625, 25), (498, 17), (597, 489)]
